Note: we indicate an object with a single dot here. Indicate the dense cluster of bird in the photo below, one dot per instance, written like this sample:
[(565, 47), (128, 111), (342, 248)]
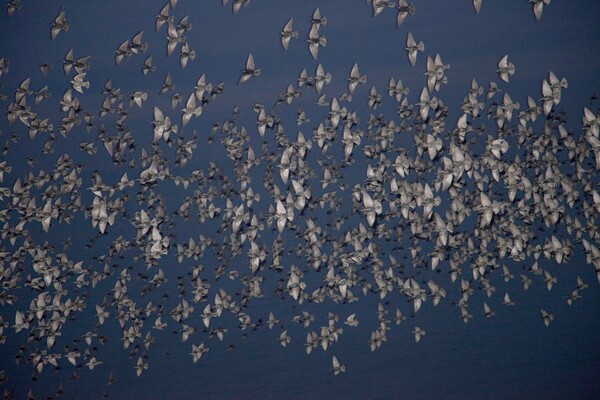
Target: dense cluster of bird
[(292, 216)]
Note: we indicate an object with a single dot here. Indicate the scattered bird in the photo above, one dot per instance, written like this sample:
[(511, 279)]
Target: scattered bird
[(190, 110), (336, 366), (317, 19), (506, 69), (412, 47), (355, 79), (547, 317), (315, 40), (419, 333), (288, 34), (186, 55), (45, 68), (538, 7), (60, 24), (404, 9), (249, 71)]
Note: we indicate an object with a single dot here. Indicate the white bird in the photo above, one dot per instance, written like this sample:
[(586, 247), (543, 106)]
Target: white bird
[(374, 98), (123, 51), (137, 45), (337, 368), (79, 82), (505, 69), (412, 47), (137, 98), (351, 320), (284, 338), (140, 366), (93, 363), (419, 333), (355, 79), (507, 301), (148, 67), (549, 97), (272, 320), (487, 311), (321, 78), (435, 73), (547, 317), (403, 9), (249, 71), (288, 34), (190, 110), (538, 7), (198, 351), (315, 40), (317, 19), (167, 85), (372, 208), (238, 4), (186, 55), (59, 24), (163, 17)]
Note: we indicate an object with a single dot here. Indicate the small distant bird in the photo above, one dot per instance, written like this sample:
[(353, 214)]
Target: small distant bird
[(315, 40), (59, 24), (507, 300), (547, 317), (4, 63), (45, 67), (138, 98), (79, 82), (284, 338), (317, 19), (412, 47), (13, 6), (538, 7), (337, 367), (186, 55), (250, 70), (137, 45), (148, 67), (167, 84), (351, 320), (403, 9), (238, 4), (122, 52), (505, 69), (419, 333), (487, 311), (355, 78), (190, 110), (288, 33), (163, 17)]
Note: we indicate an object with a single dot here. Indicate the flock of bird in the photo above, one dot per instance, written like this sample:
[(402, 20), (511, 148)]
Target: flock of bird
[(436, 207)]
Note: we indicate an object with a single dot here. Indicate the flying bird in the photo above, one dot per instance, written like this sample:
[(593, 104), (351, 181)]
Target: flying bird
[(60, 24), (412, 47), (249, 71), (336, 366), (315, 40), (505, 69), (288, 33)]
